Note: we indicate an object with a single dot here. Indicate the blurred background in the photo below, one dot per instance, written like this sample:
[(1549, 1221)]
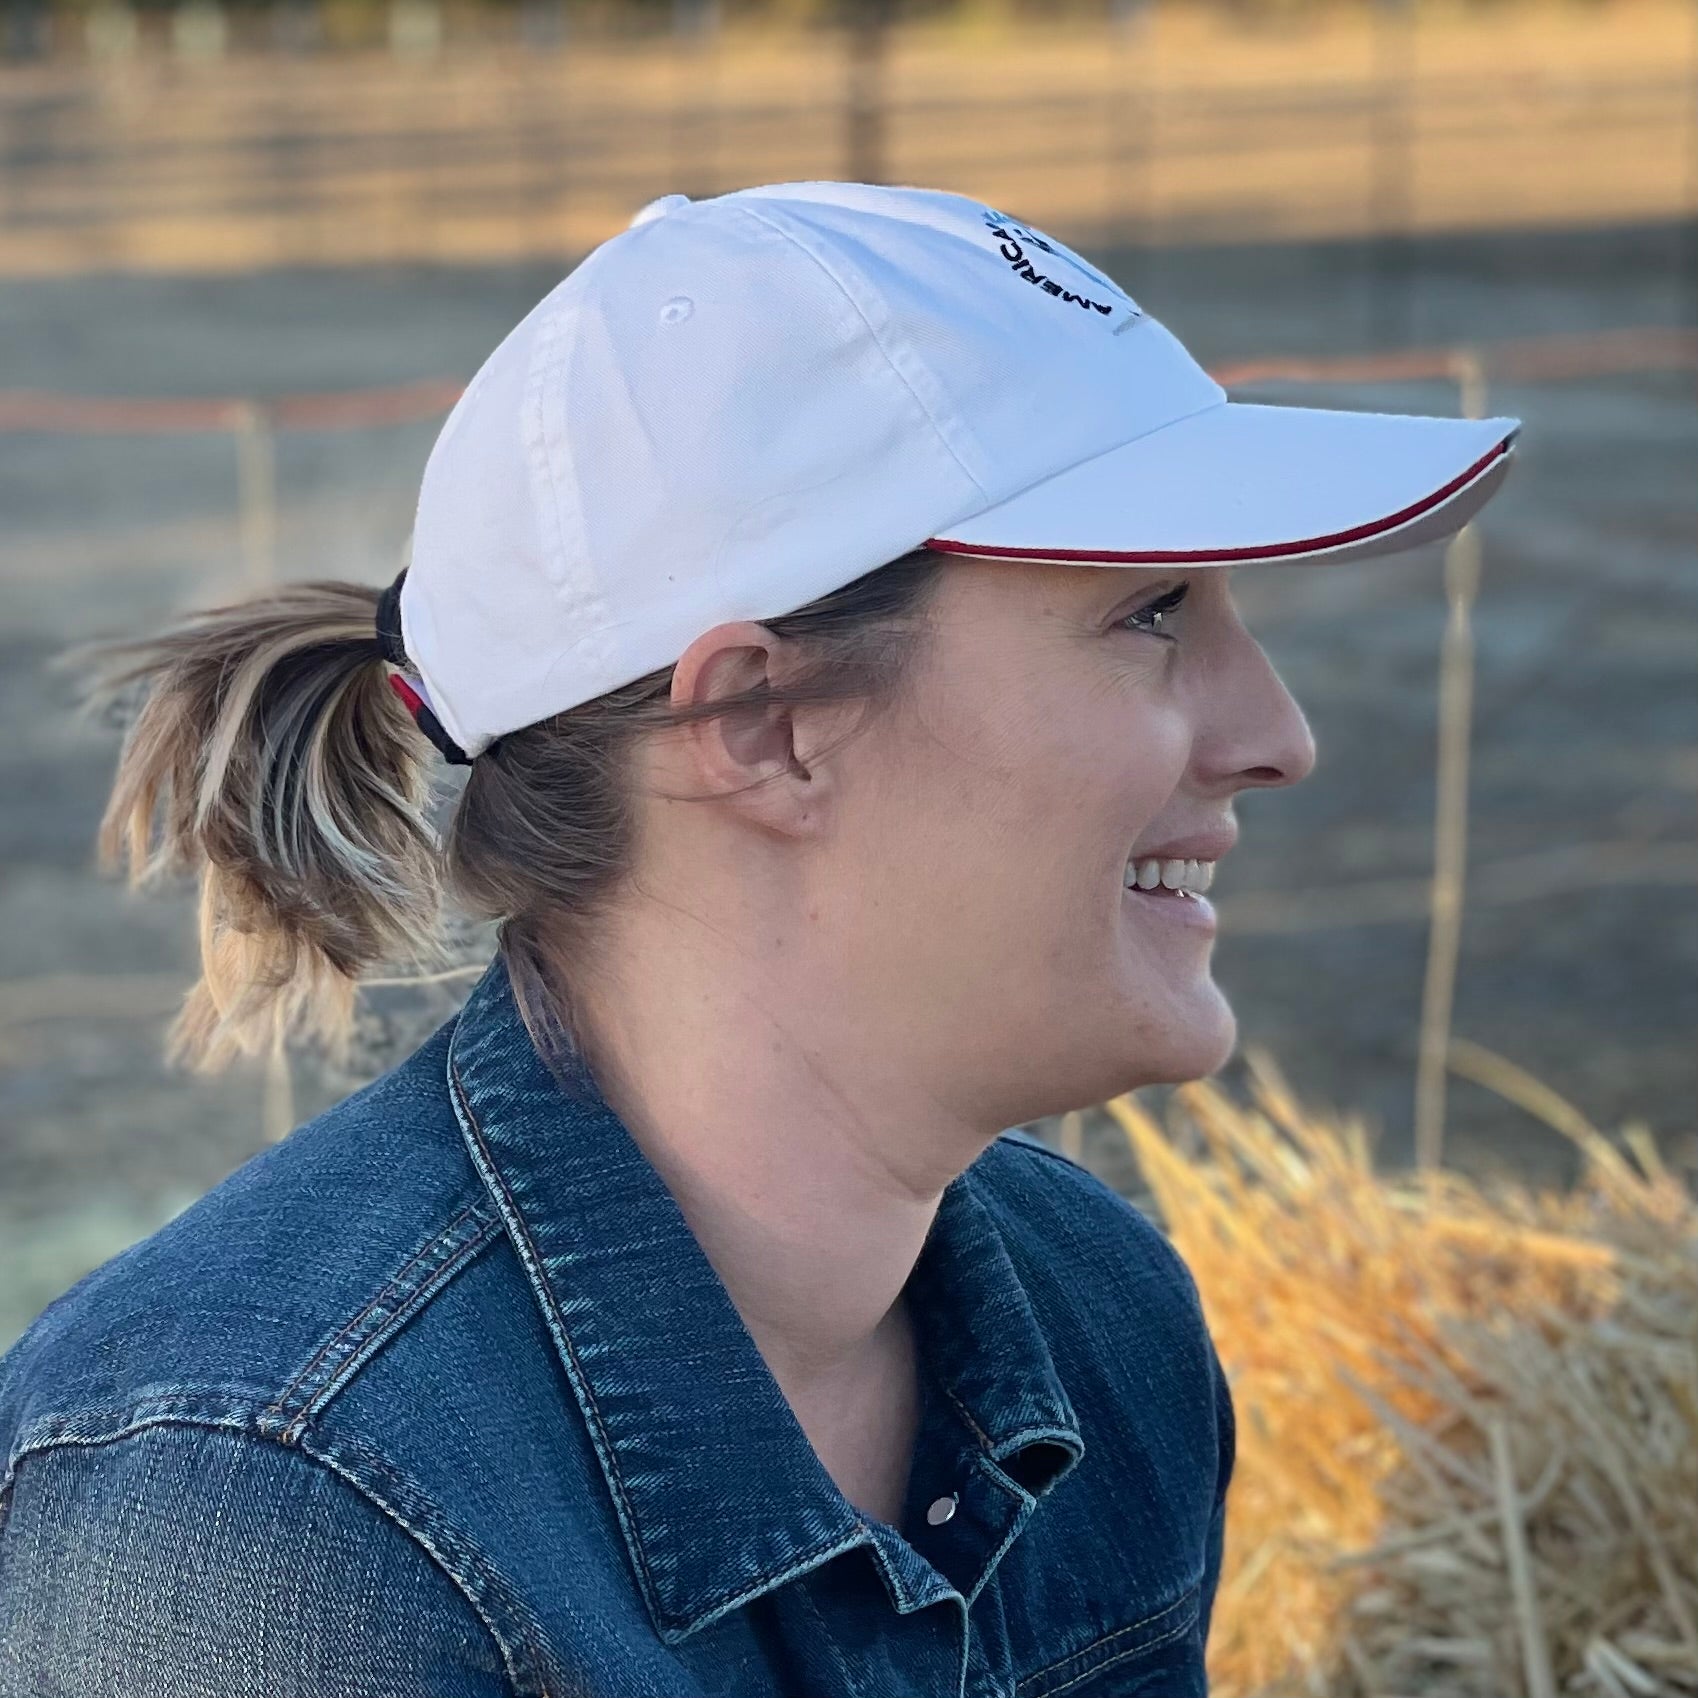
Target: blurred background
[(250, 253)]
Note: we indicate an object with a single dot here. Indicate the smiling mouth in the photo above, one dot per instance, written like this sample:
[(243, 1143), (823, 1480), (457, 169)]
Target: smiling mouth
[(1154, 877), (1176, 893)]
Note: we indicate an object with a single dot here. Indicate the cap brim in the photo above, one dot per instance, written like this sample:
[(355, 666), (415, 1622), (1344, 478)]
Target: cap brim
[(1244, 483)]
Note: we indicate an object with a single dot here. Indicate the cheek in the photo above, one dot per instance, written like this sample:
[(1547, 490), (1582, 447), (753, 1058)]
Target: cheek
[(1108, 783), (1022, 793), (1049, 844), (965, 856)]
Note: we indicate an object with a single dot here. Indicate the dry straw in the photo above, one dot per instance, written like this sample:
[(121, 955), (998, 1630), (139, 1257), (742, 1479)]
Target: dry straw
[(1467, 1414)]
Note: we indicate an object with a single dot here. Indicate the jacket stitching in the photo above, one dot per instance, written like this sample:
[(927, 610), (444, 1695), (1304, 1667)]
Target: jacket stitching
[(1107, 1663), (393, 1283), (770, 1579), (525, 1249), (380, 1335), (966, 1415), (527, 1252), (323, 1460), (391, 1303), (993, 1562), (509, 1659), (1024, 1687), (48, 1432)]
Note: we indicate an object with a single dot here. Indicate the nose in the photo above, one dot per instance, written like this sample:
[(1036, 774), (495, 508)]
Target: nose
[(1262, 740), (1295, 754)]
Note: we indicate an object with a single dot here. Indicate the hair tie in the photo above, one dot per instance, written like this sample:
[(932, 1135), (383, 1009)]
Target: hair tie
[(407, 686), (389, 622)]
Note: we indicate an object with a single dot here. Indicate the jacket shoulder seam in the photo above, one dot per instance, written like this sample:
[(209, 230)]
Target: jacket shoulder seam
[(347, 1459), (408, 1290), (439, 1538)]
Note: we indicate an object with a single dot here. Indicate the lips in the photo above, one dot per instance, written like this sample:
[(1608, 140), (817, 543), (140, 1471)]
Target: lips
[(1176, 907), (1208, 845)]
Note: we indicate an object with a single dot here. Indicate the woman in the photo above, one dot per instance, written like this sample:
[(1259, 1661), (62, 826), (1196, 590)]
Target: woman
[(681, 1318)]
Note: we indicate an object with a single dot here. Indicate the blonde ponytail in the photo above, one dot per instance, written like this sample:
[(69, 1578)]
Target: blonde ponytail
[(287, 774)]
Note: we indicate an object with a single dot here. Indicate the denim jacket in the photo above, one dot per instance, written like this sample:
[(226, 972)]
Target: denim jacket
[(439, 1397)]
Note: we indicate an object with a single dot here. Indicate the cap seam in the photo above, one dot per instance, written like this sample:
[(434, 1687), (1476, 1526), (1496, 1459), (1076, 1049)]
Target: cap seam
[(546, 386), (878, 341)]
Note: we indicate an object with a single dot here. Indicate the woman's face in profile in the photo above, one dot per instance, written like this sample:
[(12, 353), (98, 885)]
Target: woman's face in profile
[(1056, 727)]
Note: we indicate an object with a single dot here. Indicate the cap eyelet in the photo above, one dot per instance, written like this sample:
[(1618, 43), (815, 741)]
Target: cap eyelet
[(677, 309)]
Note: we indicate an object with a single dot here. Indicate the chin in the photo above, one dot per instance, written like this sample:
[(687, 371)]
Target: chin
[(1183, 1074), (1156, 1057), (1195, 1051)]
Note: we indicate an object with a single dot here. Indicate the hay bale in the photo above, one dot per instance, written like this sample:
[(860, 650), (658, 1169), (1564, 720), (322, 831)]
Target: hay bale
[(1467, 1417)]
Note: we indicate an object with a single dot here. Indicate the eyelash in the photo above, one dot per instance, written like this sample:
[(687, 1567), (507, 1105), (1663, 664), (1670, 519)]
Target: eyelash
[(1162, 604)]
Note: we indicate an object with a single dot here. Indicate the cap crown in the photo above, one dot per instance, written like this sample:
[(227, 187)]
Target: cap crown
[(739, 404)]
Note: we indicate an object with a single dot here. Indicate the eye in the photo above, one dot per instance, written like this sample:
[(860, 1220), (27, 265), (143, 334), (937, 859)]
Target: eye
[(1155, 610)]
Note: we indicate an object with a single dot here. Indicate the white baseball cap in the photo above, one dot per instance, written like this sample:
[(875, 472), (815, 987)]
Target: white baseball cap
[(739, 404)]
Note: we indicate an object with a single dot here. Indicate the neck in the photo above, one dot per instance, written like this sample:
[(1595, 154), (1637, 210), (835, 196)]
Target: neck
[(807, 1172)]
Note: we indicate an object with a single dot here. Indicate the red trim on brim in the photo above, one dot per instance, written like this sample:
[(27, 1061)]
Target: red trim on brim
[(1338, 539)]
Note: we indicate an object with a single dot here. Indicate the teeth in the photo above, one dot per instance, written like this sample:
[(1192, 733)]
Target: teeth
[(1194, 876)]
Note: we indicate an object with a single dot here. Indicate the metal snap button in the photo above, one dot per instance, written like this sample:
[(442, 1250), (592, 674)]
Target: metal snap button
[(941, 1510)]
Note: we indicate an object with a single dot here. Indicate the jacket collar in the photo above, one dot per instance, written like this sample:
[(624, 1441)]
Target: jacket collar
[(690, 1428)]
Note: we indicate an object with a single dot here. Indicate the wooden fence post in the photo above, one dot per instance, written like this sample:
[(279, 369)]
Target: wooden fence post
[(1450, 831)]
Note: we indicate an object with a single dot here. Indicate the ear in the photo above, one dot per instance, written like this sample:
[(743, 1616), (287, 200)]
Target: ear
[(754, 758)]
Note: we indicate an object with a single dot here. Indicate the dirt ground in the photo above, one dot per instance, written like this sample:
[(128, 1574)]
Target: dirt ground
[(1580, 951)]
